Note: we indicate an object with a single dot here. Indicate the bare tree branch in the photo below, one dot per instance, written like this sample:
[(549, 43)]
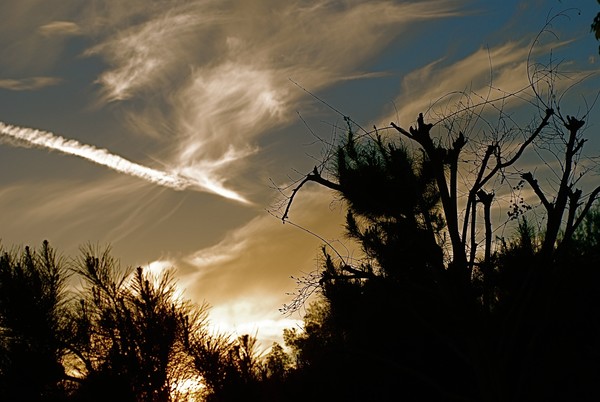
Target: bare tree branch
[(588, 205), (313, 176), (517, 155), (528, 177)]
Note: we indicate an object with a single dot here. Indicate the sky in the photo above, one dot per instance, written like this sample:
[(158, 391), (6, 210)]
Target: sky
[(162, 128)]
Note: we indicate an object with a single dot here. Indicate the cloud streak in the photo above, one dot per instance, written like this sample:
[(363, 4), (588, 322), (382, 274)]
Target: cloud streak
[(60, 28), (28, 84), (45, 139)]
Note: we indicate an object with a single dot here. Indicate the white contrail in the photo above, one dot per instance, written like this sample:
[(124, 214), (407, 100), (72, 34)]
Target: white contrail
[(49, 140)]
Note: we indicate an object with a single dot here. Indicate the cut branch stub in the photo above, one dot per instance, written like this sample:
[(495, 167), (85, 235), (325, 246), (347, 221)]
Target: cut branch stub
[(422, 130), (485, 198), (573, 123)]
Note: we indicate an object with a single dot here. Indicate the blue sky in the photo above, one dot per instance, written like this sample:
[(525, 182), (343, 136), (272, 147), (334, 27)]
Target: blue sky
[(202, 92)]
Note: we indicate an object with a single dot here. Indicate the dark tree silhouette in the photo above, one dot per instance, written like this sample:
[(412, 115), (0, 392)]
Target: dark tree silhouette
[(232, 369), (595, 27), (33, 336), (437, 309), (133, 332), (125, 335)]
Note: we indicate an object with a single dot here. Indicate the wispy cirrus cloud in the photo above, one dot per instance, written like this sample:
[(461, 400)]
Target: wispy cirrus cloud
[(219, 71), (437, 88), (489, 74), (300, 36)]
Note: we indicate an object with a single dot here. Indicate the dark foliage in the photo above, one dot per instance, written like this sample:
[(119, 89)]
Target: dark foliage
[(32, 328), (125, 336), (595, 27), (399, 326)]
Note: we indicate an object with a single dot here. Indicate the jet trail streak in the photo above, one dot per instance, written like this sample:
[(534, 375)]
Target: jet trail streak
[(100, 156)]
